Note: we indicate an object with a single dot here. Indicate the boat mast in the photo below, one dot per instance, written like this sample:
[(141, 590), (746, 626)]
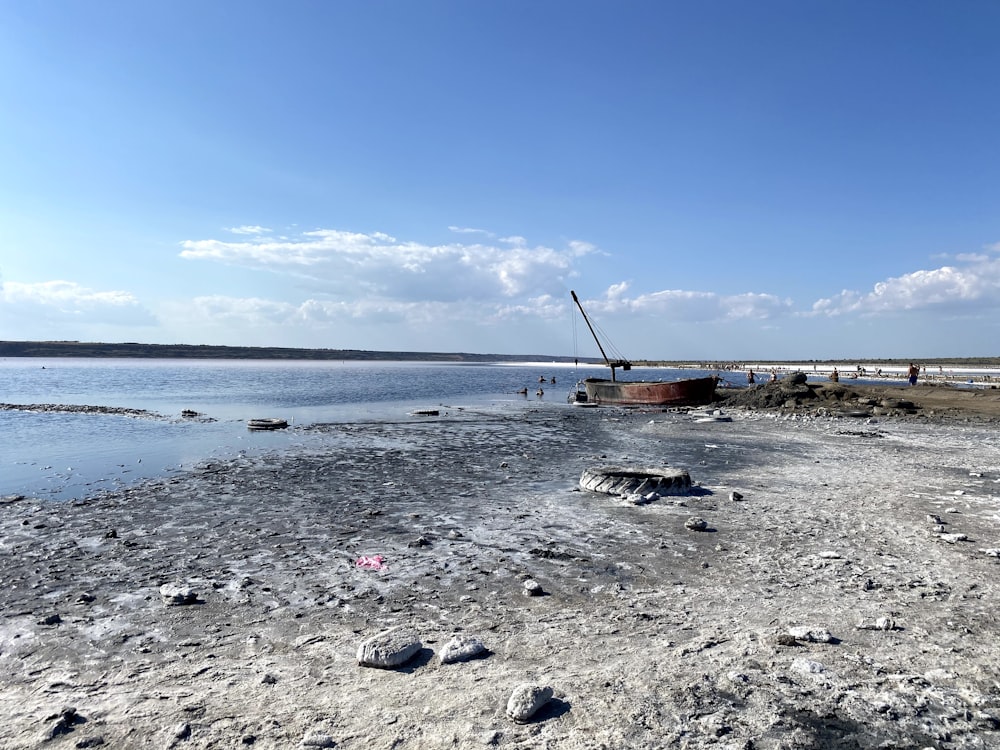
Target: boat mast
[(618, 362)]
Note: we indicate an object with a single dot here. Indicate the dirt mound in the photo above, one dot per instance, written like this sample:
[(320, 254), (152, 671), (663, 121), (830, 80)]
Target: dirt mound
[(937, 402)]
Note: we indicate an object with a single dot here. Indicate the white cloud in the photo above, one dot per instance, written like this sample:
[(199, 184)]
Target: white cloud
[(973, 286), (544, 307), (248, 230), (69, 302), (64, 295), (378, 264), (322, 314), (470, 230), (674, 305)]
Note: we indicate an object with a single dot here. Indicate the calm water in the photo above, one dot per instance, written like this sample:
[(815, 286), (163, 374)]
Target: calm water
[(64, 456)]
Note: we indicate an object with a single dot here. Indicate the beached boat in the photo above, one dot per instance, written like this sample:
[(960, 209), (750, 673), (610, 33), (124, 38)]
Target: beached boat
[(685, 392)]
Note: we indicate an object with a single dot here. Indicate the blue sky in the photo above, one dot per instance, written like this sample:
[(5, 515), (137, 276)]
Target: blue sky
[(716, 180)]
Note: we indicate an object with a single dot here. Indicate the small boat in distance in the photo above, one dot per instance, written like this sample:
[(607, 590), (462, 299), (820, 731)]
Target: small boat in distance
[(686, 392)]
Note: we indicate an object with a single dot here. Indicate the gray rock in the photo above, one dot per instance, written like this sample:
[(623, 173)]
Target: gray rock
[(182, 731), (462, 648), (634, 498), (695, 523), (526, 701), (389, 649), (318, 740)]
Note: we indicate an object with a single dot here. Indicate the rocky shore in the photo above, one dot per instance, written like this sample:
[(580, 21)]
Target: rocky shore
[(445, 582)]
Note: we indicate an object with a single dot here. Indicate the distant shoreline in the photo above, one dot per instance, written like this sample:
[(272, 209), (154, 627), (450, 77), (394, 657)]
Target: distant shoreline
[(135, 350), (132, 350)]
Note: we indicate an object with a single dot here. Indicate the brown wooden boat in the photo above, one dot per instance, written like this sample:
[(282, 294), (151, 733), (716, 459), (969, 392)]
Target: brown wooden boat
[(685, 392)]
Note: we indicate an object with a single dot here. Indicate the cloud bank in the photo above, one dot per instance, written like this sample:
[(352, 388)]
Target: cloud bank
[(67, 302), (378, 264), (970, 288), (370, 290)]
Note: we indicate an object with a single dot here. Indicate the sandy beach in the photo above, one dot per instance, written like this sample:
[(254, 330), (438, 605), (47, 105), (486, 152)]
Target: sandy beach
[(843, 592)]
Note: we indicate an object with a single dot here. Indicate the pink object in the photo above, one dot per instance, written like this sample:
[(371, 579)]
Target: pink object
[(372, 562)]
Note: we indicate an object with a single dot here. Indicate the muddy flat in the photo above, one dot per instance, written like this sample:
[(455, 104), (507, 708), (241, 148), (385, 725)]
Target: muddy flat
[(842, 593)]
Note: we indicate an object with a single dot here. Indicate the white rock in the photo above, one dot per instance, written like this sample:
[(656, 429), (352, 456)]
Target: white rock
[(808, 666), (937, 675), (885, 623), (952, 538), (462, 648), (829, 555), (531, 587), (813, 635), (526, 701), (389, 649), (174, 594), (991, 552)]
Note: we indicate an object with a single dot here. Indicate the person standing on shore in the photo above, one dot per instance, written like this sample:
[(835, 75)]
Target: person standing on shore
[(913, 372), (750, 377)]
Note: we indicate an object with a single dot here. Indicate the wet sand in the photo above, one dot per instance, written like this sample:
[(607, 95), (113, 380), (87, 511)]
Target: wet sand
[(847, 598)]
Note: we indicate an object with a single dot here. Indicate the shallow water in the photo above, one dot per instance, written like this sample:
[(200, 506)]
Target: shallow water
[(65, 456)]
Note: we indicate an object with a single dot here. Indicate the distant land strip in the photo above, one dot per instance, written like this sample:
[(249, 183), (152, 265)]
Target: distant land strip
[(203, 351), (192, 351)]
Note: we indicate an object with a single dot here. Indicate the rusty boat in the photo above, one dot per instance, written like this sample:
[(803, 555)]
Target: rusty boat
[(684, 392)]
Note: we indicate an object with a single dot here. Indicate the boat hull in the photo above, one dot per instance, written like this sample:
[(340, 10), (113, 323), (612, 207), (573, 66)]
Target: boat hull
[(689, 392)]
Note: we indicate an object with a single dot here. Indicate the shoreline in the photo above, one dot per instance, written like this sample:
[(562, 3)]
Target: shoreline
[(760, 629)]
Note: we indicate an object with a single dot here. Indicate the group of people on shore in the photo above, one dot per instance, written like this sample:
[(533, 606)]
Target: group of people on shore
[(912, 373)]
